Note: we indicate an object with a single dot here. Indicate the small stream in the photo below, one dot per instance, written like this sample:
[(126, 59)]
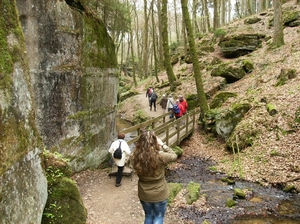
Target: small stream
[(263, 205)]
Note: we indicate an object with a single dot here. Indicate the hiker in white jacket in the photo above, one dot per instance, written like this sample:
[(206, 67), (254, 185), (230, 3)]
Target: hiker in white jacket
[(120, 162), (170, 105)]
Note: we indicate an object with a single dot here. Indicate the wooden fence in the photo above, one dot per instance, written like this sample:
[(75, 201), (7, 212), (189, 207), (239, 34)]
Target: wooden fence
[(170, 131)]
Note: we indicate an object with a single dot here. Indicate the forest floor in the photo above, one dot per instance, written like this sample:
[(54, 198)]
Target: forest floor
[(272, 160)]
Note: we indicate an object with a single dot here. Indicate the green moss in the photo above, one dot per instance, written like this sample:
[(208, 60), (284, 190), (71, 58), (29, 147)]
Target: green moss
[(178, 150), (239, 193), (64, 204), (96, 37), (193, 192), (15, 129), (220, 33), (139, 117), (230, 203), (220, 99), (174, 189), (248, 66)]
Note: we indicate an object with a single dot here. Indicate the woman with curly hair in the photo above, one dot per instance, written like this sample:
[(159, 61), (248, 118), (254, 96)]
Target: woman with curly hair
[(149, 162)]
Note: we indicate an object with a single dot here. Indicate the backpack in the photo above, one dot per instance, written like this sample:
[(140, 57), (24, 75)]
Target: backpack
[(175, 109), (153, 96), (118, 152)]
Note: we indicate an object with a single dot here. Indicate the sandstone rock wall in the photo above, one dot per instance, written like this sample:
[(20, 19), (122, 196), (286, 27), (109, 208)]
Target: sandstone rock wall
[(74, 78), (58, 88)]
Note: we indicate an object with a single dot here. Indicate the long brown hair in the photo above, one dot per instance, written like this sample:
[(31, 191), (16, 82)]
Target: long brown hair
[(146, 154)]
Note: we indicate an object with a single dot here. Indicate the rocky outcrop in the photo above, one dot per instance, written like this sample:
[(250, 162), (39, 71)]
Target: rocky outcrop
[(58, 90), (74, 78), (238, 45), (23, 186)]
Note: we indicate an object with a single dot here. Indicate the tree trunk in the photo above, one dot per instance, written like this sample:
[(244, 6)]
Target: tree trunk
[(206, 14), (194, 10), (278, 24), (160, 42), (176, 22), (216, 15), (197, 73), (154, 43), (223, 12), (165, 43), (145, 41)]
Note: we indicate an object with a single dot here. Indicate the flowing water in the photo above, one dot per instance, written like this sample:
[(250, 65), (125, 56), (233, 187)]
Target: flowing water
[(262, 205)]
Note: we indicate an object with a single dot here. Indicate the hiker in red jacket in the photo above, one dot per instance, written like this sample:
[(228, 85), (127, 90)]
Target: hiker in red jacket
[(184, 104)]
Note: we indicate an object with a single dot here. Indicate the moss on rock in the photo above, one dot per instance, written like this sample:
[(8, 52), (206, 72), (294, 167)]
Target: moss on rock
[(193, 192), (220, 99), (174, 189), (64, 203)]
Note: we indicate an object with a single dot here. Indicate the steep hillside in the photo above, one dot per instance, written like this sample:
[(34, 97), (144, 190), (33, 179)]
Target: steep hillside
[(274, 154)]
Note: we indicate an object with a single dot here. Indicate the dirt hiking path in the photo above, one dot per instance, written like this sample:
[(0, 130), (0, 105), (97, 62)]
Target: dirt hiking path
[(108, 204)]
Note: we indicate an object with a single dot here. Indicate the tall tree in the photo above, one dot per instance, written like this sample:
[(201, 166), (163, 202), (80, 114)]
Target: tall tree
[(145, 41), (154, 43), (176, 21), (204, 3), (165, 43), (216, 15), (194, 16), (197, 70), (278, 39), (160, 42), (131, 49)]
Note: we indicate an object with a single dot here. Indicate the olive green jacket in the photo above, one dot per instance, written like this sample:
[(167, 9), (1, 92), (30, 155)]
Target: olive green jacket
[(155, 188)]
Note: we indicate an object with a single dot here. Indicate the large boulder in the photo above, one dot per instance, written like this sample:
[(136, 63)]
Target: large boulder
[(238, 45), (223, 122)]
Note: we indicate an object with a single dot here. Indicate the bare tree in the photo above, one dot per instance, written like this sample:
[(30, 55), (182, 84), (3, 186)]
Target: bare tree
[(176, 21), (165, 43), (194, 16), (160, 42), (278, 24), (204, 3), (216, 14), (197, 70), (154, 43), (131, 49), (145, 41)]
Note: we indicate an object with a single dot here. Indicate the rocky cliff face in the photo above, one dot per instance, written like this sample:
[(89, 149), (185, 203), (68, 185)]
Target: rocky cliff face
[(74, 78), (58, 88)]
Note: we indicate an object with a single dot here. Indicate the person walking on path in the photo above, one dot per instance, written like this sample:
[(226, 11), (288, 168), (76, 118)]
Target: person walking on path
[(149, 92), (163, 102), (149, 163), (178, 115), (153, 99), (184, 104), (170, 104), (125, 152)]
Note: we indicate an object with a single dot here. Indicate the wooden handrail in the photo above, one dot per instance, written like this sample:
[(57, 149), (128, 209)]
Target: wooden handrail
[(170, 131)]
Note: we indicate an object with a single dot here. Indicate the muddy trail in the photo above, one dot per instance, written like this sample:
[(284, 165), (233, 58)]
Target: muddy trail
[(107, 204)]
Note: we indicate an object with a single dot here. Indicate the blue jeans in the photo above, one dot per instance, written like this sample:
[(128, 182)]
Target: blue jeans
[(154, 211)]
